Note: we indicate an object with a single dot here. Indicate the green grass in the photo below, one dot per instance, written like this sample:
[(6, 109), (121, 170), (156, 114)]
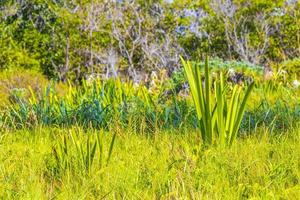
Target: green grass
[(166, 165)]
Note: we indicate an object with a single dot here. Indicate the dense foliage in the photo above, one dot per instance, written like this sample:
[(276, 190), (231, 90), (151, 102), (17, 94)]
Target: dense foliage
[(85, 39), (163, 104)]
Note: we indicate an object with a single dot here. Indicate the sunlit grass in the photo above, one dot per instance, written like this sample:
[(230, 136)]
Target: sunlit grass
[(169, 165)]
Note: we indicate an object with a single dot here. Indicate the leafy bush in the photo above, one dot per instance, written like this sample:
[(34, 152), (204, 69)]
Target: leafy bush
[(64, 44), (22, 84)]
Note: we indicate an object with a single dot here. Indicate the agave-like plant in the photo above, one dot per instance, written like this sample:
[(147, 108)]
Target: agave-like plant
[(219, 117)]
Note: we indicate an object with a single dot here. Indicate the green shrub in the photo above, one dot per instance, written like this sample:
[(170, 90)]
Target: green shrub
[(23, 84)]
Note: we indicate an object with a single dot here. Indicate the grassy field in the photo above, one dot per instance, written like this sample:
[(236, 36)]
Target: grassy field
[(166, 165), (112, 139)]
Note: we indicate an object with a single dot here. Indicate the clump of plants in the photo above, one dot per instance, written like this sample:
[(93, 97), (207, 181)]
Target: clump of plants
[(81, 153), (17, 84), (219, 114)]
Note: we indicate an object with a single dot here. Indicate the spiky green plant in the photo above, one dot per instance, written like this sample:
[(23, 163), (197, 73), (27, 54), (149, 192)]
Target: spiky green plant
[(74, 152), (219, 117)]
